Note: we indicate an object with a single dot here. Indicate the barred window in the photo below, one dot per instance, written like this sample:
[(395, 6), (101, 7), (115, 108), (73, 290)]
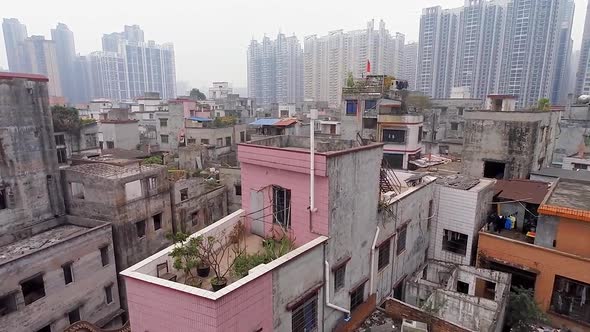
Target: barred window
[(304, 318)]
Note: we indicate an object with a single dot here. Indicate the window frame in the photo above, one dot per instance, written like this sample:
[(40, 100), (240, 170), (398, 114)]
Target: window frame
[(384, 254), (299, 314), (283, 211), (574, 301), (140, 225), (355, 301), (108, 291), (398, 247), (157, 219), (30, 279), (68, 267), (104, 255), (163, 122), (446, 242), (348, 110), (183, 193), (75, 313), (165, 141), (394, 141), (339, 277)]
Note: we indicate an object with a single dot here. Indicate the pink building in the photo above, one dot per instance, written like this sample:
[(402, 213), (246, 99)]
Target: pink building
[(327, 281)]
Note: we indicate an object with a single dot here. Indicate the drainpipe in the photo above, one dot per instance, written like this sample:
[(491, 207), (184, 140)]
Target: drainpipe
[(372, 280), (327, 292), (313, 115)]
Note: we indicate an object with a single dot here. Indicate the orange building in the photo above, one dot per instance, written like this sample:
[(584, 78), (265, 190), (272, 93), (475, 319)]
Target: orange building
[(557, 264)]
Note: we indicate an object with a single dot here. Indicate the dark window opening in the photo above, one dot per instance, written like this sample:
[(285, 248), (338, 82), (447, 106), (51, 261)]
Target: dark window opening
[(33, 289), (430, 214), (395, 161), (401, 240), (485, 289), (520, 278), (3, 199), (357, 297), (68, 275), (60, 140), (242, 136), (462, 287), (7, 304), (304, 318), (46, 328), (184, 194), (351, 107), (164, 139), (191, 141), (394, 136), (455, 242), (570, 298), (281, 207), (398, 290), (454, 126), (370, 104), (157, 221), (204, 141), (195, 218), (62, 155), (339, 275), (494, 170), (384, 250), (104, 255), (74, 315), (110, 145), (108, 291), (420, 134), (460, 111), (368, 123), (163, 122), (238, 188), (577, 166), (228, 141), (140, 228)]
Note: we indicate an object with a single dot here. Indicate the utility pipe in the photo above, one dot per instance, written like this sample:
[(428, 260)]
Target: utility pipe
[(372, 279), (327, 292), (313, 115)]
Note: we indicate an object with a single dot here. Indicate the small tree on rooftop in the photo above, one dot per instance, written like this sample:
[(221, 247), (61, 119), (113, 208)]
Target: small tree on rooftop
[(197, 94), (544, 104), (186, 255), (418, 102), (65, 119), (218, 252), (523, 312)]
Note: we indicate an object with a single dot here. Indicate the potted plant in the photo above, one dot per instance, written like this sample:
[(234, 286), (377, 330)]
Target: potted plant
[(187, 256), (203, 269), (221, 253)]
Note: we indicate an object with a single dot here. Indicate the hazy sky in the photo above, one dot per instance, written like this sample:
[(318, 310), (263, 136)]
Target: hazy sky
[(211, 37)]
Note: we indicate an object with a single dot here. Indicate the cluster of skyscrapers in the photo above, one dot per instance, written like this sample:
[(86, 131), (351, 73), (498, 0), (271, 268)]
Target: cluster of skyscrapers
[(126, 68)]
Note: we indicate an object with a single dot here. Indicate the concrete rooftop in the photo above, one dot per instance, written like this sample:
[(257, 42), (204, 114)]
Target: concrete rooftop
[(322, 144), (114, 172), (570, 194)]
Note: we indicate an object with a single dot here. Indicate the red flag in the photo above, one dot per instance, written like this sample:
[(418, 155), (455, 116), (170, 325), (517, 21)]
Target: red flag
[(368, 66)]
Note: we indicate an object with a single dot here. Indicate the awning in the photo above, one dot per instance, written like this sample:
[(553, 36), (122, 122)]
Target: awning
[(285, 122), (264, 122), (199, 119)]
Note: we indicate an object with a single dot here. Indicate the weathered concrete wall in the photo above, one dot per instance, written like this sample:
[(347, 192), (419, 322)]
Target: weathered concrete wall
[(173, 129), (400, 310), (439, 118), (124, 134), (214, 134), (231, 178), (572, 132), (29, 174), (86, 291)]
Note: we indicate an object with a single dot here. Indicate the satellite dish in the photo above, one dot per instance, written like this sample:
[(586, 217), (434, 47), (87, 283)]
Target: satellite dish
[(584, 99)]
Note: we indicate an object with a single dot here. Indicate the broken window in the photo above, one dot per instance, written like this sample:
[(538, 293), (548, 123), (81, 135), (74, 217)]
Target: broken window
[(228, 141), (281, 207), (74, 315), (140, 228), (157, 221), (339, 275), (305, 316), (108, 291), (384, 250), (184, 194), (164, 139), (394, 136), (62, 155), (68, 274), (455, 242), (357, 297), (33, 289), (163, 123), (7, 304), (462, 287), (104, 255), (77, 190), (570, 298), (401, 239), (133, 190)]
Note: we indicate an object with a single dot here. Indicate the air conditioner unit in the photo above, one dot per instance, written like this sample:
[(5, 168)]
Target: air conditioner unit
[(413, 326)]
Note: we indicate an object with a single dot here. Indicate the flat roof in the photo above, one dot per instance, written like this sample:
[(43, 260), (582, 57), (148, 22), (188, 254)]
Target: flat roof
[(463, 182), (301, 143), (528, 191), (30, 77), (108, 171), (38, 241), (571, 194), (563, 173)]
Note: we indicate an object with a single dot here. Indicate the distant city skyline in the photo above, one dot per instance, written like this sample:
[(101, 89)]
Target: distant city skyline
[(211, 49)]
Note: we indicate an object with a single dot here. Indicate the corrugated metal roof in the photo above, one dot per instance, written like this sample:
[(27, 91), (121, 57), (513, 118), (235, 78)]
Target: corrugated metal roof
[(265, 122), (199, 119), (522, 190), (285, 122)]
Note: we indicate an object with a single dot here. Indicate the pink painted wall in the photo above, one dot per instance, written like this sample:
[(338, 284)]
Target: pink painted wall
[(261, 168), (155, 308)]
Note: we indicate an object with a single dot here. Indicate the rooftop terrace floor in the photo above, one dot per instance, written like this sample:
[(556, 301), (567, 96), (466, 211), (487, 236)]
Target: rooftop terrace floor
[(574, 195)]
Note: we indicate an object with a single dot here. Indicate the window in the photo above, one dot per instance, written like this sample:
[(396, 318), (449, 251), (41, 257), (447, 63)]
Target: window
[(577, 166), (164, 139), (104, 255), (62, 155), (157, 221), (401, 239), (454, 126), (108, 291), (204, 141), (152, 183), (351, 107), (460, 111), (46, 328), (339, 275), (110, 145), (68, 275), (74, 315), (370, 105), (238, 188), (281, 206), (33, 289), (357, 297), (163, 122), (454, 242), (430, 214), (140, 228), (195, 218), (191, 141), (383, 259), (570, 298), (228, 141), (77, 190), (420, 134), (220, 141), (60, 140), (394, 135), (242, 136), (90, 140), (304, 318), (3, 200), (184, 194), (462, 287), (151, 116), (7, 304)]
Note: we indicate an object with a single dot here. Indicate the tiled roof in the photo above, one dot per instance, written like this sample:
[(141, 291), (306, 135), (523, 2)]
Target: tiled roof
[(522, 190)]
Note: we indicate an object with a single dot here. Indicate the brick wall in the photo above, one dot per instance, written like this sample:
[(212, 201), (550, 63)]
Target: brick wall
[(399, 310)]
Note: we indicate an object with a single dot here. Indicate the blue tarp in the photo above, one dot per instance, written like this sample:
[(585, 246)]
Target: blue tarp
[(264, 122), (196, 118)]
